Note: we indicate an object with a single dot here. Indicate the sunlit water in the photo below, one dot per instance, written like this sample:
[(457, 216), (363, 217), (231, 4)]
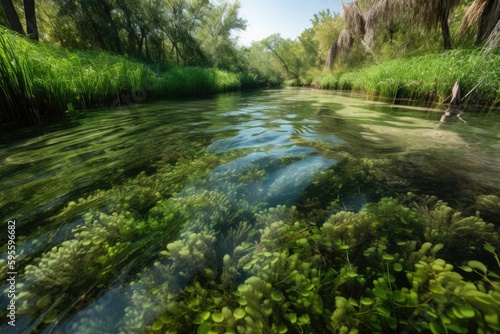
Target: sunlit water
[(171, 169)]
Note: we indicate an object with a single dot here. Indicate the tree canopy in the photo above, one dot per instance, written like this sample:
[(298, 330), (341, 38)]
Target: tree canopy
[(185, 32), (203, 32)]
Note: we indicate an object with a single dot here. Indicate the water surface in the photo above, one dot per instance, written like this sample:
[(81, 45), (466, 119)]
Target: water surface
[(152, 218)]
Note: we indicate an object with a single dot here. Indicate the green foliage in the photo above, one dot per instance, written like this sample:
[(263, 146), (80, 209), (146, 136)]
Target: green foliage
[(208, 243), (215, 35), (429, 78), (262, 64), (41, 80), (187, 32)]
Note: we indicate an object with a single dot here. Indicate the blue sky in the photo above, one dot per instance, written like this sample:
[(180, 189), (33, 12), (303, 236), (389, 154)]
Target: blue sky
[(287, 17)]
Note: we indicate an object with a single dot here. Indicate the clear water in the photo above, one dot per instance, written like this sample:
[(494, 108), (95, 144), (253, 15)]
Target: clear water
[(136, 218)]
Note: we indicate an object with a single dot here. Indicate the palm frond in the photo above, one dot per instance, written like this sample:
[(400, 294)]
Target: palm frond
[(493, 40), (332, 55), (342, 44), (378, 13), (354, 20)]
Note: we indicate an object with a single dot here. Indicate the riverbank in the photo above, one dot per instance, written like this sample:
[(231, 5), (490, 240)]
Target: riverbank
[(427, 79), (42, 82)]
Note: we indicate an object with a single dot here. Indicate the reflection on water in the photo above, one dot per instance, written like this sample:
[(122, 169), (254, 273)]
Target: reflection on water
[(220, 214)]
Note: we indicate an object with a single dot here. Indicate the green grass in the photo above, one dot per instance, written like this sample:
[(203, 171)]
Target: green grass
[(425, 78), (39, 80)]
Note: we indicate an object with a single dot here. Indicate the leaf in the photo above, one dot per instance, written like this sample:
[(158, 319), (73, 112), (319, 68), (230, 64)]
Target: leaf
[(353, 302), (493, 275), (380, 292), (304, 319), (466, 268), (388, 257), (205, 315), (455, 328), (383, 311), (397, 266), (369, 251), (43, 302), (268, 309), (489, 248), (467, 311), (399, 297), (166, 319), (435, 328), (247, 266), (157, 325), (218, 317), (492, 320), (366, 301), (292, 317), (282, 329), (198, 320), (477, 265), (239, 313), (457, 313), (436, 249), (431, 313), (204, 328), (244, 288), (352, 273), (277, 296)]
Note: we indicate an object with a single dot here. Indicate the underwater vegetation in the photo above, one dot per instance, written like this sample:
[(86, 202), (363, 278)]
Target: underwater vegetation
[(207, 245)]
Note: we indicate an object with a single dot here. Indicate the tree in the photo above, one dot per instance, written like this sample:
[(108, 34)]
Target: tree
[(430, 13), (326, 29), (30, 15), (427, 14), (355, 26), (262, 64), (87, 24), (137, 22), (281, 48), (180, 19), (215, 34), (12, 17), (485, 15)]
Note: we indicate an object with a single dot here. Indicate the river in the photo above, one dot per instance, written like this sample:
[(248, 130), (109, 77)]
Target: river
[(272, 211)]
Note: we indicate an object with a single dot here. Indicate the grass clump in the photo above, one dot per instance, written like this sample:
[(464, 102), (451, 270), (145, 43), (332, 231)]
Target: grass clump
[(39, 81), (424, 78)]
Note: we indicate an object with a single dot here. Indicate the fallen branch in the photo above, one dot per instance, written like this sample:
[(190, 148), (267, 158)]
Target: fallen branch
[(473, 89)]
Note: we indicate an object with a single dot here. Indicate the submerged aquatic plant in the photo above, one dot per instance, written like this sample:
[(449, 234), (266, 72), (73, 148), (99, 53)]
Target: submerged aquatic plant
[(196, 246)]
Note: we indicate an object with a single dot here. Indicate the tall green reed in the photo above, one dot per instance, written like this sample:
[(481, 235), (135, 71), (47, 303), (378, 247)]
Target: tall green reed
[(39, 80), (425, 78)]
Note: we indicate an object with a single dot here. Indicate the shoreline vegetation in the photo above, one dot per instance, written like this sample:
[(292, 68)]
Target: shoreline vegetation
[(44, 84), (425, 79)]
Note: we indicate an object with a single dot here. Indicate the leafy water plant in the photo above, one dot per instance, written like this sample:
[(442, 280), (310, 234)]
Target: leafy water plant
[(196, 247)]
